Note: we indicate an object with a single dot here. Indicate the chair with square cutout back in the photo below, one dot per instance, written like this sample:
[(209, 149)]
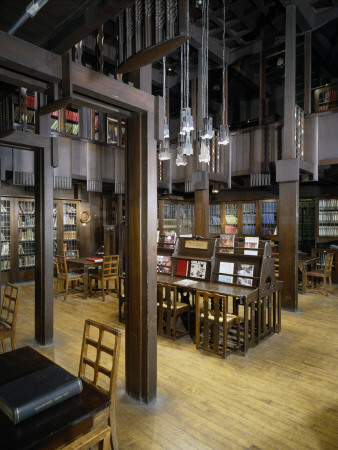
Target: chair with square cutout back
[(100, 354), (109, 271), (324, 274), (8, 315), (65, 276)]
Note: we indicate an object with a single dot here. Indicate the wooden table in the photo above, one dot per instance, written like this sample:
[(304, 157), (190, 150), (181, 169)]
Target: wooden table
[(241, 295), (84, 265), (304, 261), (56, 426)]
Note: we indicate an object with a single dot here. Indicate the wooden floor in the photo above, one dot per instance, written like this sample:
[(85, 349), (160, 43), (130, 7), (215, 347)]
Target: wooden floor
[(283, 395)]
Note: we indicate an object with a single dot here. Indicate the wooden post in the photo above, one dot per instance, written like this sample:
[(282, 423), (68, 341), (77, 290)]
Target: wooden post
[(43, 246), (261, 89), (288, 174), (140, 307), (307, 72), (202, 212)]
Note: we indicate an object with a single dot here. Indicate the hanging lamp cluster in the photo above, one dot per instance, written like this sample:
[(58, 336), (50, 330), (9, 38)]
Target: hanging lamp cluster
[(206, 132), (224, 136), (164, 151)]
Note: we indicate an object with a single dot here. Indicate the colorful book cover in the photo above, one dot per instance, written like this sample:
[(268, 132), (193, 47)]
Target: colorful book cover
[(251, 242), (182, 268), (226, 269), (244, 271), (163, 264), (198, 269), (226, 243)]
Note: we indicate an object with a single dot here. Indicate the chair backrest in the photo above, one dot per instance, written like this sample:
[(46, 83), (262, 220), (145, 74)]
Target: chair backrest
[(328, 263), (110, 266), (61, 266), (9, 307), (71, 254), (100, 357)]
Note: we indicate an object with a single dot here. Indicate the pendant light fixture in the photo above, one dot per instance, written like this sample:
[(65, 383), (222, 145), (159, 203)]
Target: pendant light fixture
[(164, 151), (207, 131), (224, 135), (184, 145)]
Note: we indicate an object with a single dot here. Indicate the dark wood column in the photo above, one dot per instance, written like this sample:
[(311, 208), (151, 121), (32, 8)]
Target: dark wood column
[(202, 212), (307, 71), (43, 246), (288, 174), (141, 219)]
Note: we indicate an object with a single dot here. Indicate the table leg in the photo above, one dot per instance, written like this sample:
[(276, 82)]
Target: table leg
[(246, 328), (85, 283), (304, 281)]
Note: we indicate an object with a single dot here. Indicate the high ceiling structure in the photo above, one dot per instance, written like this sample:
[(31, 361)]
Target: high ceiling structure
[(252, 27)]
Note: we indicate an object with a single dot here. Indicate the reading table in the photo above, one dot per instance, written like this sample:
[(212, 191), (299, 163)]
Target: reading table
[(84, 264), (57, 426)]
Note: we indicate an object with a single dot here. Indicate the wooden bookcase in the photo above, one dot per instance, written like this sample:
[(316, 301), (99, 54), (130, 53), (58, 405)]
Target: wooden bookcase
[(245, 218), (326, 98), (326, 220), (175, 216)]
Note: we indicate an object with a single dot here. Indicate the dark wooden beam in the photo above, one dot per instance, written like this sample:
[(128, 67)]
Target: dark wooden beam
[(201, 212), (140, 306), (84, 21), (43, 246), (152, 54), (29, 59), (18, 79)]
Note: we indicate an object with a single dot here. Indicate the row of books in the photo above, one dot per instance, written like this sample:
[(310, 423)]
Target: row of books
[(329, 95), (27, 260), (4, 237), (69, 235), (195, 269), (244, 274), (5, 265), (28, 222), (5, 249), (21, 249), (4, 209), (72, 115), (72, 128), (27, 234), (69, 220), (26, 207), (18, 115), (69, 209)]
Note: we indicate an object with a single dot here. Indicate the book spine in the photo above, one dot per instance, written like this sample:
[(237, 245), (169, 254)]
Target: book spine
[(46, 401)]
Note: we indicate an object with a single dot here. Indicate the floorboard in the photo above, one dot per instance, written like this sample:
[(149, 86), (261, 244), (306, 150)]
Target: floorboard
[(283, 395)]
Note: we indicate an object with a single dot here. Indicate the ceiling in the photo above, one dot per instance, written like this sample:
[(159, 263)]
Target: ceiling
[(252, 27)]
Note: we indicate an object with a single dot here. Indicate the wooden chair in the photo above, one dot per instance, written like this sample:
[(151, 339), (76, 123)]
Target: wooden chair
[(213, 324), (168, 311), (66, 276), (71, 254), (8, 315), (109, 271), (100, 355), (324, 274)]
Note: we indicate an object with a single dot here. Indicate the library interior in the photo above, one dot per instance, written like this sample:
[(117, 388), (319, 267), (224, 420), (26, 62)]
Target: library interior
[(169, 224)]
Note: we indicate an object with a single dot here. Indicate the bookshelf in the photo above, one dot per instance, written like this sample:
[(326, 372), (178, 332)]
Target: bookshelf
[(69, 226), (249, 218), (307, 225), (269, 218), (24, 107), (26, 234), (6, 114), (72, 121), (326, 98), (327, 219), (231, 218), (54, 122), (5, 236)]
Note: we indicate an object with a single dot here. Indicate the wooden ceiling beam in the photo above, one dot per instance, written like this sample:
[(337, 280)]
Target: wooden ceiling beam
[(84, 21), (33, 61), (18, 79)]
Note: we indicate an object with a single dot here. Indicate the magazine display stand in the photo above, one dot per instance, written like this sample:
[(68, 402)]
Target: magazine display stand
[(193, 258), (250, 264), (165, 249)]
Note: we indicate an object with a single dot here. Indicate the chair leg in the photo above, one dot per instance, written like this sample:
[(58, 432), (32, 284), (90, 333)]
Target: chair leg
[(114, 442), (102, 287), (117, 287), (66, 290), (331, 287), (13, 341), (325, 287)]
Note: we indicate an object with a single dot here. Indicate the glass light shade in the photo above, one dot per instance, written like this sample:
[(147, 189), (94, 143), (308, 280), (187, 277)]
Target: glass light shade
[(164, 152), (187, 145), (166, 128), (187, 121), (207, 131), (181, 159), (204, 155), (224, 135)]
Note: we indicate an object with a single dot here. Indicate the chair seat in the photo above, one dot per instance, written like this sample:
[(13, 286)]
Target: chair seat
[(316, 273), (179, 305), (72, 275), (229, 318)]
